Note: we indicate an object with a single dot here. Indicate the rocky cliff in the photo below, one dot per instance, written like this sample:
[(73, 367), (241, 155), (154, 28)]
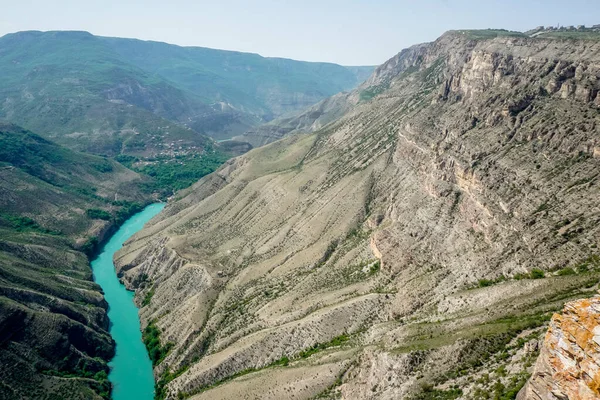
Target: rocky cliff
[(413, 247), (569, 363)]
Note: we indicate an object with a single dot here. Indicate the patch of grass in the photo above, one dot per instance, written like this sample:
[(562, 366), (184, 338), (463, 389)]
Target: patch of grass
[(95, 213), (535, 273), (489, 282), (571, 35), (373, 91), (160, 392), (24, 224), (481, 34), (428, 392), (337, 341), (103, 387), (175, 173), (284, 361), (151, 338), (148, 297), (542, 207), (375, 267), (566, 271)]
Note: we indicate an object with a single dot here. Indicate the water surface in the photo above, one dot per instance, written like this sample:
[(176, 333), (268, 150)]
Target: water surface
[(131, 368)]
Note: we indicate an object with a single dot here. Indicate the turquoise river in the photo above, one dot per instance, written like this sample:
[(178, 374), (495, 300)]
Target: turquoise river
[(131, 369)]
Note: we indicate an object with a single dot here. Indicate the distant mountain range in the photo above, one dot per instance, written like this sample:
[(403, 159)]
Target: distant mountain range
[(124, 96)]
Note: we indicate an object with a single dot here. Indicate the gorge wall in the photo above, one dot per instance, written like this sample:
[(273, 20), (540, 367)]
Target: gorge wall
[(413, 247)]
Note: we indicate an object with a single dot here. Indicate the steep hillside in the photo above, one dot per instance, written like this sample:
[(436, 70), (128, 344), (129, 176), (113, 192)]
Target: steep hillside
[(413, 248), (55, 205)]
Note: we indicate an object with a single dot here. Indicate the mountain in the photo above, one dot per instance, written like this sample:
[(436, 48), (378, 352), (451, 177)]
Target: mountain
[(77, 91), (119, 96), (56, 206), (253, 86), (415, 246)]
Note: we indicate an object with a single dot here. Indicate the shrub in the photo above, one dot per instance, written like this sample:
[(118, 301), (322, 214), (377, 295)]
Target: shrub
[(151, 338), (537, 273), (485, 283), (90, 246), (95, 213), (566, 271), (148, 297)]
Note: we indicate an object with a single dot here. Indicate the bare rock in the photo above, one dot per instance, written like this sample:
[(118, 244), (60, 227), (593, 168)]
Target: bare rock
[(569, 363)]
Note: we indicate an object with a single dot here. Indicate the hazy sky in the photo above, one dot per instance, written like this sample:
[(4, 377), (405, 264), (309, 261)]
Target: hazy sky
[(350, 32)]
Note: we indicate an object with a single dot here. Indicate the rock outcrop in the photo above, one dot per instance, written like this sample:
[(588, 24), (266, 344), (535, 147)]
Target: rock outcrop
[(569, 363)]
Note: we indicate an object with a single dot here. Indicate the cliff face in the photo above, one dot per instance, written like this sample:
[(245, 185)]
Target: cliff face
[(415, 246), (569, 363)]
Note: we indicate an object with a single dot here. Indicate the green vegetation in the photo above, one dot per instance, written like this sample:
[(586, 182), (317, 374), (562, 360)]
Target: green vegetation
[(151, 338), (373, 91), (24, 224), (337, 341), (535, 273), (174, 173), (328, 253), (90, 246), (375, 267), (167, 376), (588, 264), (282, 362), (482, 34), (95, 213), (244, 80), (127, 209), (148, 297), (571, 35), (103, 386), (429, 393), (155, 84), (489, 282)]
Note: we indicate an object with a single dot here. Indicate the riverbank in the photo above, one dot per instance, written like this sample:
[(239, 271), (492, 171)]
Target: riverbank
[(131, 368)]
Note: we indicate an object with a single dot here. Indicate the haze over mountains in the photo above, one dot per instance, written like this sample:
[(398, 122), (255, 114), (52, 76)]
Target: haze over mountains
[(111, 96)]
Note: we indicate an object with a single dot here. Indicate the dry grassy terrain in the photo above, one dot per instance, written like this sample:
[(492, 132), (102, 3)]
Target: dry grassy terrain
[(413, 248)]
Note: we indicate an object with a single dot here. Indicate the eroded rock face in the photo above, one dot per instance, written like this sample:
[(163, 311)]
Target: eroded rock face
[(453, 164), (569, 363)]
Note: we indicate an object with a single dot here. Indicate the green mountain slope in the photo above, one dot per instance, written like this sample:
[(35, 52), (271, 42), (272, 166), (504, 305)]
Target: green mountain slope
[(76, 90), (112, 96), (263, 86), (55, 205)]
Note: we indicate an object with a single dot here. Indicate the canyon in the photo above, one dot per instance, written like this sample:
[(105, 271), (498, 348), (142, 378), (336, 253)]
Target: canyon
[(409, 239)]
